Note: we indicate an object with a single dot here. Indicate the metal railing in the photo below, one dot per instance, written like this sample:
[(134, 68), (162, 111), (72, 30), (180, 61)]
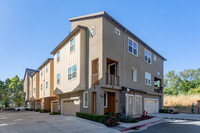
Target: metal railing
[(112, 79), (95, 79)]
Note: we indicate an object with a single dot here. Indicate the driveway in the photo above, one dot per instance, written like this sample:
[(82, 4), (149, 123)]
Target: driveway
[(34, 122), (180, 116)]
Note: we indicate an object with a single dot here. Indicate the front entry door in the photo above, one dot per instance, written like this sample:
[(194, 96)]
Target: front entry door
[(130, 105), (93, 102), (111, 103), (138, 101)]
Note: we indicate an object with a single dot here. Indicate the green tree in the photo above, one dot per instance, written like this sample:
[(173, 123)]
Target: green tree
[(171, 83)]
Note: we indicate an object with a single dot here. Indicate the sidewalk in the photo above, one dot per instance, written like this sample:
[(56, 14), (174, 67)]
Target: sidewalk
[(181, 116), (141, 124)]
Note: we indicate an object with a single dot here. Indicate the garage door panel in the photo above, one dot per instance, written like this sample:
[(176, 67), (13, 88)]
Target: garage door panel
[(151, 105), (70, 107)]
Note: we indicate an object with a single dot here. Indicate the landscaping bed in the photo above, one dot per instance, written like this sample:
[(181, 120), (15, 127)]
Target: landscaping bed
[(142, 118)]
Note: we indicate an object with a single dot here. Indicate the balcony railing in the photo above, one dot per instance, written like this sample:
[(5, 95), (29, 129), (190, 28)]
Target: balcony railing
[(95, 79), (158, 89), (112, 79)]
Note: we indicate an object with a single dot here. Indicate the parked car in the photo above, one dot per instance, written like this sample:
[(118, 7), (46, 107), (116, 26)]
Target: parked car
[(18, 108)]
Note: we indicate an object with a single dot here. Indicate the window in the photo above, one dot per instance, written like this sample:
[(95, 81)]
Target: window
[(33, 90), (134, 75), (117, 31), (147, 56), (154, 57), (41, 72), (41, 87), (46, 84), (58, 78), (72, 72), (147, 78), (47, 68), (58, 56), (132, 47), (85, 99), (105, 100), (91, 32), (34, 78), (72, 45)]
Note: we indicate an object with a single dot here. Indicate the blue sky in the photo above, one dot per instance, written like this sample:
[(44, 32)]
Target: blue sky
[(31, 29)]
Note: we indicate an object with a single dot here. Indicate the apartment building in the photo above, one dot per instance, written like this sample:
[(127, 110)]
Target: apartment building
[(102, 67), (28, 87), (46, 83)]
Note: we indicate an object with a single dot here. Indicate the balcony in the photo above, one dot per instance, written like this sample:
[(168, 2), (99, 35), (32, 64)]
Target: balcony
[(158, 89), (95, 79), (112, 79)]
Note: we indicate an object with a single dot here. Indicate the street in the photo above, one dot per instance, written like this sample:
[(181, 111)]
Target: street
[(174, 126)]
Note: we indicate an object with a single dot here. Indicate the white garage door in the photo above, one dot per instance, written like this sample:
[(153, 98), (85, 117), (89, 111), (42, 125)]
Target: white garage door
[(151, 105), (70, 107)]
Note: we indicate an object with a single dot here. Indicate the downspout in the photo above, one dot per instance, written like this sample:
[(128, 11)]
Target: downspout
[(124, 56), (126, 97)]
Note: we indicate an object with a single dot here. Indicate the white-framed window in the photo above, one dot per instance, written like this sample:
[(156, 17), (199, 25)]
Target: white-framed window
[(147, 78), (46, 84), (41, 87), (132, 47), (46, 67), (41, 72), (117, 31), (58, 78), (33, 90), (34, 78), (105, 96), (92, 32), (72, 45), (72, 72), (134, 74), (154, 57), (147, 56), (85, 99), (58, 56)]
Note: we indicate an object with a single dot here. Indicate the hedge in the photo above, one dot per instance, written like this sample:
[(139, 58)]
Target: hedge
[(92, 117), (54, 113)]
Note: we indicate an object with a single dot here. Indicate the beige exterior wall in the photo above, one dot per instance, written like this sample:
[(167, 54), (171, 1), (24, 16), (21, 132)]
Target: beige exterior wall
[(116, 48), (35, 78), (67, 59), (30, 88), (46, 76), (26, 86), (95, 49)]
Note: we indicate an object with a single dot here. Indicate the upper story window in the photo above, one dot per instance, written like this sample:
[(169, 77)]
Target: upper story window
[(132, 47), (58, 78), (154, 57), (147, 78), (134, 75), (58, 56), (117, 31), (85, 99), (147, 56), (41, 87), (72, 45), (41, 72), (33, 90), (91, 32), (34, 78), (72, 72), (46, 84), (46, 67)]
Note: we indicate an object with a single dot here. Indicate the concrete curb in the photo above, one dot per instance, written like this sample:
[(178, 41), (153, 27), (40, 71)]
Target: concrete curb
[(180, 119), (142, 125)]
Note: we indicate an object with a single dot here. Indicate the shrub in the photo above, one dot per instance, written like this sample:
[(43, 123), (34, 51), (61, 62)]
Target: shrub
[(43, 111), (92, 117), (37, 110), (111, 122), (54, 113), (126, 119), (26, 109), (163, 110)]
